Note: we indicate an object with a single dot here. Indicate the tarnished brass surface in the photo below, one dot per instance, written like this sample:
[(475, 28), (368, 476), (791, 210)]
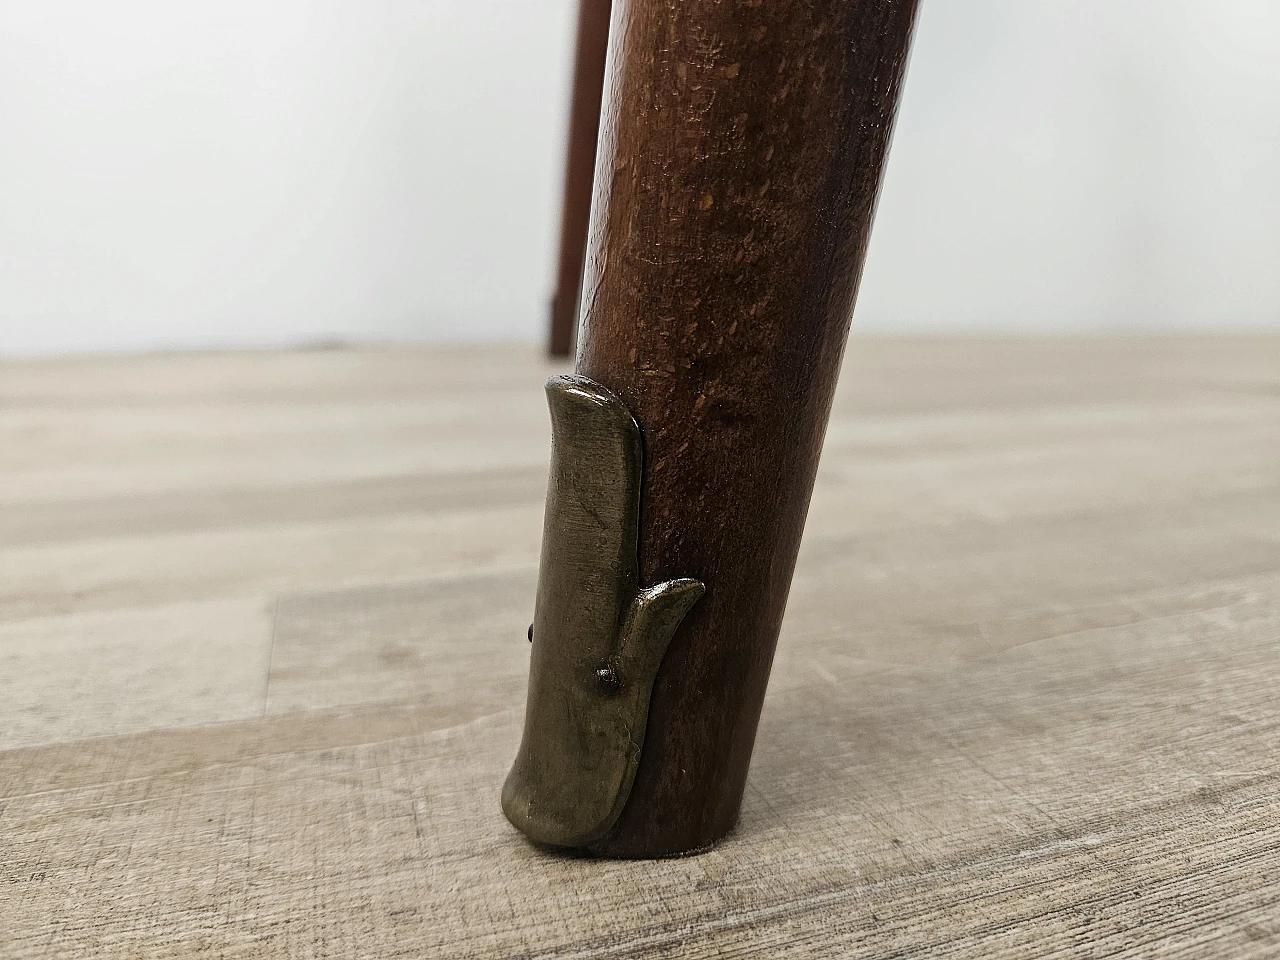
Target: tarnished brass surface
[(598, 637)]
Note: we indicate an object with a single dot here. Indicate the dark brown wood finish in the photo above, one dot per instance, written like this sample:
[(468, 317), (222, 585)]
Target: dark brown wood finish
[(742, 148), (579, 169)]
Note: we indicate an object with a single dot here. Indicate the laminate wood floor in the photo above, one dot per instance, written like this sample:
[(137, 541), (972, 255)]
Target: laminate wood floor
[(262, 664)]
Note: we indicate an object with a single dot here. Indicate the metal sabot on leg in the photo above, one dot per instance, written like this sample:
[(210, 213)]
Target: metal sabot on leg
[(598, 637)]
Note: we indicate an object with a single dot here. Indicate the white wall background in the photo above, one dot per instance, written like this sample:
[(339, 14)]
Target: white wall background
[(252, 172)]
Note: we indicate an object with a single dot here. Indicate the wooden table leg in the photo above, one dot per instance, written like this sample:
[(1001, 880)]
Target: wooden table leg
[(580, 160), (741, 153)]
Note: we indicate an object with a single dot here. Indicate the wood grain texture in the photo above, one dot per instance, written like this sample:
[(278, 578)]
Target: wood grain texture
[(1023, 703), (741, 150)]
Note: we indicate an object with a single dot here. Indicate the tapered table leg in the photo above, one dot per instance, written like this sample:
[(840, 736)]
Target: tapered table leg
[(742, 145), (584, 121)]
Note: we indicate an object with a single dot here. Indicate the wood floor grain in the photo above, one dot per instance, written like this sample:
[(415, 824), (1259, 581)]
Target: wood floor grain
[(262, 664)]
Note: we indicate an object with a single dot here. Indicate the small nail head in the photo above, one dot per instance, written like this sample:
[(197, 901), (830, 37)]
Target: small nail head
[(607, 681)]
